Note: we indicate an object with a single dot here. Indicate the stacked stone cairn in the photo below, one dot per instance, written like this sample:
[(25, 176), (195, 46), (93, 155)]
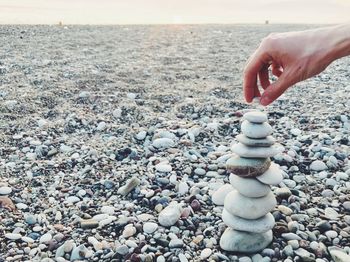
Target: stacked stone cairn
[(249, 198)]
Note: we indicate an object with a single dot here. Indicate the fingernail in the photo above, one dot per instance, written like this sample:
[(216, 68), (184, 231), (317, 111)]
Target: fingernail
[(265, 100)]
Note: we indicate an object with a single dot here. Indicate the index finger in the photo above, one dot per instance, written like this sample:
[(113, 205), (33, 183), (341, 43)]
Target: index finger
[(255, 63)]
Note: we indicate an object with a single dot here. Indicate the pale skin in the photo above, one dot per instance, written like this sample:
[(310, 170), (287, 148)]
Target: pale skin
[(292, 57)]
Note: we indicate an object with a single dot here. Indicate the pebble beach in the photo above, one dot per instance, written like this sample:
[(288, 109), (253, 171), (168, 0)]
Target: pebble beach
[(113, 140)]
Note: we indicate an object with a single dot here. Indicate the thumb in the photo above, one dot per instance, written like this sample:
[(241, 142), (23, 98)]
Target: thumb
[(276, 89)]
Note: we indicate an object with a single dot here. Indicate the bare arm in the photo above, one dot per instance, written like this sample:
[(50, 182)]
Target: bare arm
[(293, 57)]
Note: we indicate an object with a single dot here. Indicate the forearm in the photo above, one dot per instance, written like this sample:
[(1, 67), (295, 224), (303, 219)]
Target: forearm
[(339, 39)]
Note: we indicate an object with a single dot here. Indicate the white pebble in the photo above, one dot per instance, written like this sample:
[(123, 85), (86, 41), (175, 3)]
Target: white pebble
[(107, 210), (170, 215), (183, 188), (206, 253), (163, 168), (13, 236), (150, 227), (45, 238), (318, 165), (5, 190)]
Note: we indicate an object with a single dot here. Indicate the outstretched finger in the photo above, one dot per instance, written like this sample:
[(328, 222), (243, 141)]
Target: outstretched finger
[(250, 86)]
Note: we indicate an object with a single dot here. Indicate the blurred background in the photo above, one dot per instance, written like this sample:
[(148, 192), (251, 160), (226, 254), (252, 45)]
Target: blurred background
[(173, 11)]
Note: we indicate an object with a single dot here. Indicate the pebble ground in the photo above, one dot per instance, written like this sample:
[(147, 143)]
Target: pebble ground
[(88, 113)]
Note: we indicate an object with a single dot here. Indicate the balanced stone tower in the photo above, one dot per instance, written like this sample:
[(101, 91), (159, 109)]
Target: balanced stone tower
[(248, 202)]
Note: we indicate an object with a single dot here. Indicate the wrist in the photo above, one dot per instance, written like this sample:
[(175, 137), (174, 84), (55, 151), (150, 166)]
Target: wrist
[(339, 39)]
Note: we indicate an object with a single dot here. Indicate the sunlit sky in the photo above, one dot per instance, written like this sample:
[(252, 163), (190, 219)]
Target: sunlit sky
[(173, 11)]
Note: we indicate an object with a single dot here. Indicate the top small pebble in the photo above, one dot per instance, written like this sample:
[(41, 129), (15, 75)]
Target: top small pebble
[(255, 117)]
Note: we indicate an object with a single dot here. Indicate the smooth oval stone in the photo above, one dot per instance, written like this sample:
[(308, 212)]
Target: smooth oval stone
[(318, 165), (219, 195), (170, 215), (150, 227), (249, 187), (247, 167), (45, 238), (259, 225), (273, 176), (163, 143), (256, 152), (13, 236), (245, 242), (255, 117), (5, 190), (258, 142), (249, 208), (256, 130), (163, 168)]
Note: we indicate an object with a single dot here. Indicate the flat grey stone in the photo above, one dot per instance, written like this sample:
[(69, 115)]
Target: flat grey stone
[(256, 152), (258, 142), (291, 236), (245, 242), (255, 117), (272, 176), (256, 130), (247, 167), (249, 208), (249, 187), (259, 225)]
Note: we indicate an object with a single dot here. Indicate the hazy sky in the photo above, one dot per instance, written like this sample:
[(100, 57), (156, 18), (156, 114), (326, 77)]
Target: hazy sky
[(173, 11)]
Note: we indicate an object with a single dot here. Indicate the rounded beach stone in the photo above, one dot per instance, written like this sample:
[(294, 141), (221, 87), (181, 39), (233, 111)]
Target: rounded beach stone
[(219, 195), (256, 152), (256, 130), (258, 142), (318, 165), (259, 225), (249, 208), (5, 190), (255, 117), (249, 187), (273, 176), (150, 227), (13, 236), (245, 242), (247, 167), (170, 215)]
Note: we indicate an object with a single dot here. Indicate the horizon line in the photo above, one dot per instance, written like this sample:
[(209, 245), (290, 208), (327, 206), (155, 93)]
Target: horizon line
[(199, 23)]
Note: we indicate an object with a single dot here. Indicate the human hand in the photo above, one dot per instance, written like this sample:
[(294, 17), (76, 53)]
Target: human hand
[(292, 57)]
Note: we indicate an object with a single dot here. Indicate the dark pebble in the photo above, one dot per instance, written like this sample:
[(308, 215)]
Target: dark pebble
[(324, 226), (196, 206)]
